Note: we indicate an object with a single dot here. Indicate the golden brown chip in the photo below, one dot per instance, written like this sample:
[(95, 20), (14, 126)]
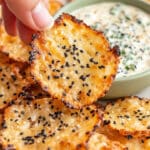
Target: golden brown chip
[(101, 142), (47, 124), (54, 6), (129, 142), (13, 46), (130, 116), (11, 81), (75, 62)]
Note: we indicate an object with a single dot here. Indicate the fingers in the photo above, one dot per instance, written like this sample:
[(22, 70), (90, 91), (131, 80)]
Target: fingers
[(26, 17), (25, 33), (9, 20), (12, 25), (33, 13)]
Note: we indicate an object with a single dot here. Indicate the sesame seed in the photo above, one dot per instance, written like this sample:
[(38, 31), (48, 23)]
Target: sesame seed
[(48, 77)]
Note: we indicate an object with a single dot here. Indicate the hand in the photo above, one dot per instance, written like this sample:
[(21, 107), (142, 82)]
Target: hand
[(24, 17)]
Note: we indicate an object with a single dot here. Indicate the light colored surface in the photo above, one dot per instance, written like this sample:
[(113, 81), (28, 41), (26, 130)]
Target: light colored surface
[(144, 93)]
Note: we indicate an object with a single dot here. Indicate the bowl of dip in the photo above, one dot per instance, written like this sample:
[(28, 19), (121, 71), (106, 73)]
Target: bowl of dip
[(125, 24)]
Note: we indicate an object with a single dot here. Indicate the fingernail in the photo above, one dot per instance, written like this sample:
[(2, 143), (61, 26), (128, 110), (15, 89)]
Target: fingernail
[(41, 16)]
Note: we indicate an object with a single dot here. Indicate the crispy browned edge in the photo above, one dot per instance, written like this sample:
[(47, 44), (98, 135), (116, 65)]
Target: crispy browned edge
[(23, 67), (82, 146), (138, 134), (35, 53)]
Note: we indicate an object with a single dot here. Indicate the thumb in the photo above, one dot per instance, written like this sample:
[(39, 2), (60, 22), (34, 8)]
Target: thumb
[(32, 13)]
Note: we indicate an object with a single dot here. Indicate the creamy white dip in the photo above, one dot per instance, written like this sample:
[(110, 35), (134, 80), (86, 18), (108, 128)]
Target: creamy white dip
[(125, 26)]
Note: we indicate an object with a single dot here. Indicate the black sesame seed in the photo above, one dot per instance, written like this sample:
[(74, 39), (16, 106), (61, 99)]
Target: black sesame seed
[(21, 133), (86, 118), (67, 78), (81, 51), (79, 92), (77, 54), (65, 24), (64, 47), (32, 55), (105, 77), (106, 122), (114, 122), (82, 78), (126, 116), (50, 66), (14, 78), (65, 54), (49, 54), (28, 140), (74, 57), (61, 75), (64, 94), (67, 64), (53, 61), (73, 130), (76, 71), (87, 66), (81, 66), (1, 95), (74, 47), (148, 127), (4, 102), (78, 60), (4, 126), (91, 60), (129, 137), (62, 66), (48, 77), (89, 92), (56, 77), (101, 67)]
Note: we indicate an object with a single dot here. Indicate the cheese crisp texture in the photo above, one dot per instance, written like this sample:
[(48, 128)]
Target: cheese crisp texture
[(130, 116), (47, 124), (75, 63), (11, 81)]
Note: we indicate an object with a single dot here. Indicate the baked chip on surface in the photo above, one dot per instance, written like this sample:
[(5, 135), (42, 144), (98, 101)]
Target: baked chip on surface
[(45, 124), (11, 81), (129, 142), (129, 116), (75, 63)]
